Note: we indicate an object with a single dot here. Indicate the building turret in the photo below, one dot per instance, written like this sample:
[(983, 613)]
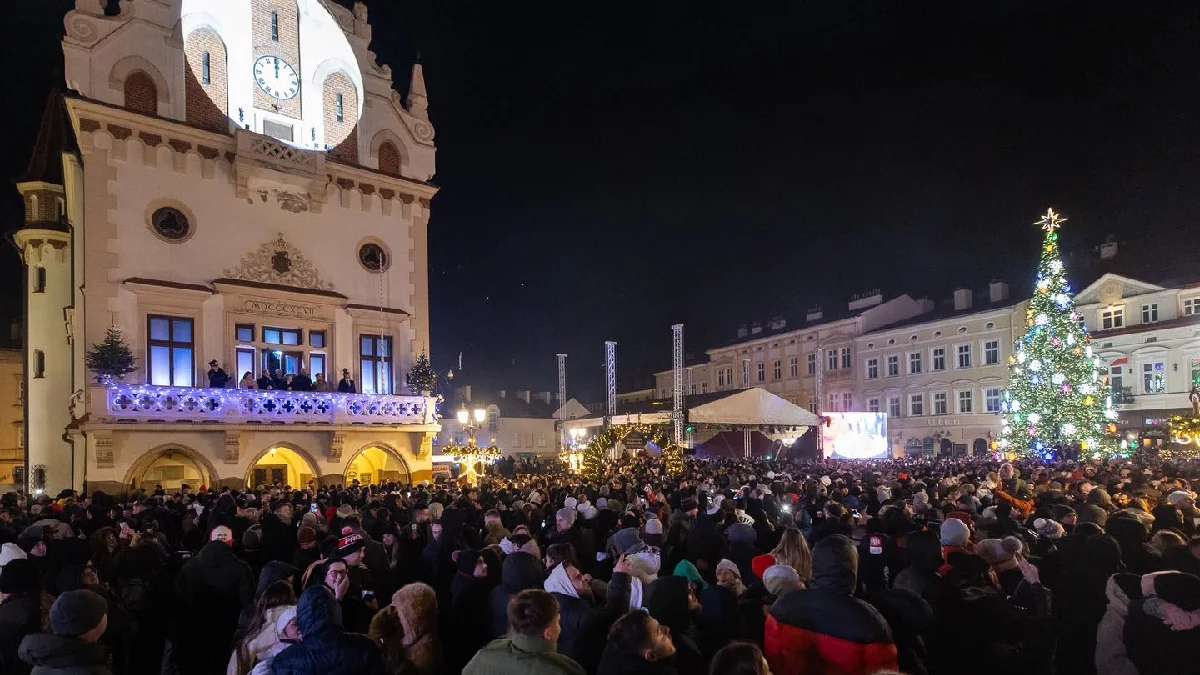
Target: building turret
[(44, 242), (418, 100)]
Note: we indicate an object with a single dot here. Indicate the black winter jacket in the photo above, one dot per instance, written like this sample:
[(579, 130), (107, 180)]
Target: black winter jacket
[(19, 616), (51, 654), (326, 649), (521, 571), (585, 626)]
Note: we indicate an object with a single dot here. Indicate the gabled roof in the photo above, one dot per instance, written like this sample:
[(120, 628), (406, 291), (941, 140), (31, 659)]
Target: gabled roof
[(55, 136), (1129, 288)]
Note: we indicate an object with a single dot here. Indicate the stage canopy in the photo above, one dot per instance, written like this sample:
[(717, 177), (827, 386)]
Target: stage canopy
[(743, 408)]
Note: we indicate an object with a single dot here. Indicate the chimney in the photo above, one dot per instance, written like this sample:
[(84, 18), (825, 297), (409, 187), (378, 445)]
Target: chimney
[(503, 393), (743, 330), (544, 397), (523, 395), (997, 291), (1108, 250), (756, 328), (926, 305), (962, 299), (814, 314), (778, 323), (864, 300)]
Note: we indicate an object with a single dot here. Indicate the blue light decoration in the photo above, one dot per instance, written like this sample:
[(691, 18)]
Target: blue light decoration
[(1035, 380)]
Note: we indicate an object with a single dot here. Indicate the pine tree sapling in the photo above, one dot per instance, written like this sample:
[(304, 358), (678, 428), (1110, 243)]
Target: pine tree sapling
[(112, 357), (421, 377), (1056, 396)]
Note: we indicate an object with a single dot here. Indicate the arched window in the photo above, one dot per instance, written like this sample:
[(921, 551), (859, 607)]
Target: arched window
[(389, 159), (141, 96)]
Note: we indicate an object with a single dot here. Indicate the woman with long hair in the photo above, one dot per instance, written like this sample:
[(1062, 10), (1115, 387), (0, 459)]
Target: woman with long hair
[(793, 551), (261, 635)]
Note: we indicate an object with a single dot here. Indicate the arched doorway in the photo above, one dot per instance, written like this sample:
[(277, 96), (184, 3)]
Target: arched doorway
[(170, 466), (979, 447), (946, 448), (282, 464), (375, 464)]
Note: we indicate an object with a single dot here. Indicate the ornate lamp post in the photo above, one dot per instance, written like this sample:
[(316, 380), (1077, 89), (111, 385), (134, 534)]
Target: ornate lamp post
[(468, 455), (572, 455)]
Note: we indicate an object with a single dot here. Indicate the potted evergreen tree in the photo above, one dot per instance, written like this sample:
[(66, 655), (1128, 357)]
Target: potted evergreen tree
[(111, 358), (421, 376)]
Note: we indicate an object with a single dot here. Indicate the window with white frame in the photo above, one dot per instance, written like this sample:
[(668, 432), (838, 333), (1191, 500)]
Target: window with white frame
[(812, 404), (873, 369), (1150, 313), (703, 387), (541, 439), (991, 399), (721, 378), (916, 405), (846, 357), (777, 370), (831, 362), (939, 403), (794, 366), (938, 357), (965, 401), (812, 364), (964, 356), (1191, 306), (1113, 317), (991, 352), (833, 403), (516, 441), (762, 372), (693, 388), (894, 406), (893, 366), (847, 401), (914, 363), (729, 376), (1154, 377), (873, 405)]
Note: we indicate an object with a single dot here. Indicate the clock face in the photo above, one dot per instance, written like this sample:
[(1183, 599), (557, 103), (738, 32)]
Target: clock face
[(276, 77)]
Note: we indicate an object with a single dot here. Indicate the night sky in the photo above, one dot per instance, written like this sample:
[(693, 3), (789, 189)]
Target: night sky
[(608, 169)]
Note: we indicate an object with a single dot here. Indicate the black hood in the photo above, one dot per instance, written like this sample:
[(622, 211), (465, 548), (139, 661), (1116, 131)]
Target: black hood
[(835, 564), (272, 572), (667, 601), (318, 611), (521, 571), (59, 652)]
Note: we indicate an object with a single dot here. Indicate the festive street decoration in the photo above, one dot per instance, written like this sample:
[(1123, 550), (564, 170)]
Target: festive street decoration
[(421, 376), (1056, 396), (593, 454), (471, 454), (111, 357)]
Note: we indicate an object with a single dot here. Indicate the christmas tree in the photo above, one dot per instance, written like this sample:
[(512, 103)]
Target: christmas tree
[(421, 376), (1056, 397), (112, 357)]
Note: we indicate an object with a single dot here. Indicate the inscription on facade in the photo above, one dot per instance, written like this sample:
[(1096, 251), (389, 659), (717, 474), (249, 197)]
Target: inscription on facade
[(280, 308)]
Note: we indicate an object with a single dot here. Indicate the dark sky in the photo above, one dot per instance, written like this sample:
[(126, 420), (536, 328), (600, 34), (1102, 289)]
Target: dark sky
[(608, 169)]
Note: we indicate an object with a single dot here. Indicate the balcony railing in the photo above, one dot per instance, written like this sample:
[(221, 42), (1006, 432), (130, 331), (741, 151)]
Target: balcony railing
[(142, 403)]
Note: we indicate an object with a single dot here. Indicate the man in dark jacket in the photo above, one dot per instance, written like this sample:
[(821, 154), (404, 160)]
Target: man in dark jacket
[(671, 601), (217, 377), (324, 648), (212, 587), (20, 612), (584, 620), (78, 620), (530, 646), (521, 571), (825, 628)]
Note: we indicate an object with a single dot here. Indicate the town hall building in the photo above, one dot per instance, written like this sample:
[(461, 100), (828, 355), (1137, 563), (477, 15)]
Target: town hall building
[(233, 181)]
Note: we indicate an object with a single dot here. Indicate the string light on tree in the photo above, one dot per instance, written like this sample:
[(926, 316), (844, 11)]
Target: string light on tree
[(1072, 405)]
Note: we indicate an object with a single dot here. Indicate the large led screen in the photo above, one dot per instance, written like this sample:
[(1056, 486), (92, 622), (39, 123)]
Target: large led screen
[(856, 435)]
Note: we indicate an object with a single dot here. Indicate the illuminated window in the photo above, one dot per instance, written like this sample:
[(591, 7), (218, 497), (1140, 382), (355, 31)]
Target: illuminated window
[(172, 351), (375, 361), (275, 26), (1112, 318), (1154, 377), (206, 69), (341, 109), (244, 332)]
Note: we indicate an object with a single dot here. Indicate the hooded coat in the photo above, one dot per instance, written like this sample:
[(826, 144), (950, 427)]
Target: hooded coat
[(1163, 627), (51, 654), (1111, 657), (212, 588), (324, 647), (417, 608), (825, 630), (521, 571), (585, 623), (667, 602)]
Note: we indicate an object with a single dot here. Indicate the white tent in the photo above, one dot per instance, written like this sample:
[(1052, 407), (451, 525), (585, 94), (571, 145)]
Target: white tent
[(752, 407)]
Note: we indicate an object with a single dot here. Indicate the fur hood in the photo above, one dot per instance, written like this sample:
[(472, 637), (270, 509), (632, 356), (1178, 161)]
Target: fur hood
[(416, 605)]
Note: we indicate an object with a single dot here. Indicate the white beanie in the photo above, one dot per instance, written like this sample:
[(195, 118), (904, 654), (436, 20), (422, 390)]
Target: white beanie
[(955, 532), (10, 552), (589, 512), (653, 526), (570, 502), (781, 578)]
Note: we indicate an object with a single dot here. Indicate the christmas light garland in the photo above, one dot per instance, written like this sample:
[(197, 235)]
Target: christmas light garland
[(593, 454)]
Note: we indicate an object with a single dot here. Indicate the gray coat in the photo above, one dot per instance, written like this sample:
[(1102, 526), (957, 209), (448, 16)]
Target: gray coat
[(1111, 657)]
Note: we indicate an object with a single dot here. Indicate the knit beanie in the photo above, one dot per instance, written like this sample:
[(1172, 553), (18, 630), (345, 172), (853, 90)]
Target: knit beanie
[(729, 566), (955, 532), (780, 579), (653, 526), (1048, 528), (998, 551), (10, 552), (76, 612), (1090, 513), (306, 535)]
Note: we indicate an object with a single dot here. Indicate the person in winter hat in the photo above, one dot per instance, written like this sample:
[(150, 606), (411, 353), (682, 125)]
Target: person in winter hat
[(1111, 657), (1163, 627), (77, 619)]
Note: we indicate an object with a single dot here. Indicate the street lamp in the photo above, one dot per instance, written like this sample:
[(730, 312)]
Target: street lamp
[(471, 422), (572, 455)]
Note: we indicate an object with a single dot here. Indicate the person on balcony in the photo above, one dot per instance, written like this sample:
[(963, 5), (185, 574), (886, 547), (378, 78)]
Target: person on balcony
[(248, 381), (346, 385), (302, 382), (265, 382), (217, 377), (278, 381), (322, 384)]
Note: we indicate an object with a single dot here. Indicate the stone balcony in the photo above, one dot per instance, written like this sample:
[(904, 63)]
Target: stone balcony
[(139, 403)]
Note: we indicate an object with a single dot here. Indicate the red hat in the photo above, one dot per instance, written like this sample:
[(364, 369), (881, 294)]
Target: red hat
[(903, 476), (760, 563)]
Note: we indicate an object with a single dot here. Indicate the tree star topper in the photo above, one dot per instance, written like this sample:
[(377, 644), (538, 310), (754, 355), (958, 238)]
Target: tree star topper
[(1051, 221)]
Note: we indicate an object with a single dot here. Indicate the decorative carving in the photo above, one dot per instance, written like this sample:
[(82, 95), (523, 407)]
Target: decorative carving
[(360, 11), (336, 444), (426, 445), (105, 458), (423, 131), (82, 28), (233, 447), (270, 151), (279, 262)]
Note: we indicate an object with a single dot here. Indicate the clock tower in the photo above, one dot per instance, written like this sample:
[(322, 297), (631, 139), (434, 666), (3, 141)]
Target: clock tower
[(275, 36)]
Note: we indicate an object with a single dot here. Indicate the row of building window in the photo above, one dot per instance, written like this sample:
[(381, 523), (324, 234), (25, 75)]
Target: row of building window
[(939, 403), (1114, 317), (964, 358)]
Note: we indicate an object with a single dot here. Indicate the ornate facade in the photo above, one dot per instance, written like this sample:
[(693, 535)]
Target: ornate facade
[(238, 182)]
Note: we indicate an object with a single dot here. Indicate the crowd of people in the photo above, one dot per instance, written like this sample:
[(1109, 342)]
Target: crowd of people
[(737, 567), (280, 381)]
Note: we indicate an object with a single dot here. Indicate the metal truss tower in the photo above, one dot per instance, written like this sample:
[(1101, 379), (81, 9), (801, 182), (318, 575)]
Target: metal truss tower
[(610, 378), (677, 361), (562, 400)]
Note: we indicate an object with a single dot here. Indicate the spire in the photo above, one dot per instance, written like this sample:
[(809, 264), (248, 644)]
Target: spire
[(418, 102), (55, 136)]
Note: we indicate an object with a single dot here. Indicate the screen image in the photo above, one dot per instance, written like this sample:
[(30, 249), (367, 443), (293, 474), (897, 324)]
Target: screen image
[(856, 435)]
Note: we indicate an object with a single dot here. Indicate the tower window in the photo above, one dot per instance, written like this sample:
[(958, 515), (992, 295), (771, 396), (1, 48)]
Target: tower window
[(39, 364), (39, 280), (206, 69), (275, 26), (60, 207), (341, 110)]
